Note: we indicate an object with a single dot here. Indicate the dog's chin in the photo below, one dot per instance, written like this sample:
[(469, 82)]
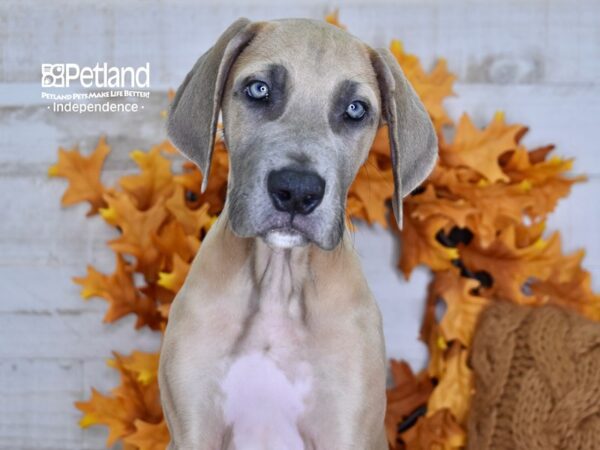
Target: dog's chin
[(285, 238)]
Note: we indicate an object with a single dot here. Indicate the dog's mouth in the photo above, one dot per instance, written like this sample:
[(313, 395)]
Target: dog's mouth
[(285, 237)]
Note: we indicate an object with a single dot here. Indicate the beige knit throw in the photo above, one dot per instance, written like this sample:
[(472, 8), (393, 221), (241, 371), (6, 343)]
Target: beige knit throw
[(537, 380)]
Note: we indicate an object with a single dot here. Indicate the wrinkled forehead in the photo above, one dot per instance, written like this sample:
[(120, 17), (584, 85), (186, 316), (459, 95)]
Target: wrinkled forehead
[(315, 56)]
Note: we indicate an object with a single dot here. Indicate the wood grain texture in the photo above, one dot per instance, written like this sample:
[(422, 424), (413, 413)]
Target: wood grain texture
[(538, 61)]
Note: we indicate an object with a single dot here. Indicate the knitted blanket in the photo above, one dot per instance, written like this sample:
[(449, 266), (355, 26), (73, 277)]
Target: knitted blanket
[(537, 380)]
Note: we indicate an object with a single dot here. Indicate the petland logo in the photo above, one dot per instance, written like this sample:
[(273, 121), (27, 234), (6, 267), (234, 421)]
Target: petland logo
[(99, 76), (105, 89)]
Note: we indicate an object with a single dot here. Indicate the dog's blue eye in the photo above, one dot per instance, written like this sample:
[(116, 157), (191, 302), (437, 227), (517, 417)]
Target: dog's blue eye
[(257, 90), (356, 110)]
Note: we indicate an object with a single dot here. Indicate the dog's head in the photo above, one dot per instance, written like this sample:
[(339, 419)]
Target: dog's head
[(301, 103)]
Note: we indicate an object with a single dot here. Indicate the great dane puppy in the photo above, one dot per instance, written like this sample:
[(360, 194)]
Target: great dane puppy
[(275, 341)]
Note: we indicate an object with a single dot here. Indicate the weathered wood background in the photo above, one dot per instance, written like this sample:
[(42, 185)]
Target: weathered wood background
[(539, 61)]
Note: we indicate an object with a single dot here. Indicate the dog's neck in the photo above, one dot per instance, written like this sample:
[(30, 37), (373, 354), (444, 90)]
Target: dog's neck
[(280, 277), (283, 275)]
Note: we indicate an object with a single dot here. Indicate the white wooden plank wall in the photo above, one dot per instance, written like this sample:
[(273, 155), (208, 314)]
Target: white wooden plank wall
[(539, 61)]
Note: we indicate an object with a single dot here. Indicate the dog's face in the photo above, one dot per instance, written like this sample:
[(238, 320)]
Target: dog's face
[(301, 103), (300, 110)]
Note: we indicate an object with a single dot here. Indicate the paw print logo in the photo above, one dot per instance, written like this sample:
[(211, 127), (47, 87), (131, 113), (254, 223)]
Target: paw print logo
[(53, 75)]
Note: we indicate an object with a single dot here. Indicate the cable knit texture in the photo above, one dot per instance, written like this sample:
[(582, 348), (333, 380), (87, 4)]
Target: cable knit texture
[(537, 380)]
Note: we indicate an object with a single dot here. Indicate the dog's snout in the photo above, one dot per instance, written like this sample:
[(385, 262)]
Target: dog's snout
[(295, 191)]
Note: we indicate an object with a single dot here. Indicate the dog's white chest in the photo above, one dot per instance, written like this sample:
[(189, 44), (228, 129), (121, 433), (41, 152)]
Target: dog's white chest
[(263, 405)]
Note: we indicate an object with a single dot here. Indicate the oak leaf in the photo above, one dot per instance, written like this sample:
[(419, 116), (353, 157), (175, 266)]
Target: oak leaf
[(462, 306), (149, 436), (510, 265), (455, 386), (172, 240), (127, 403), (372, 188), (420, 245), (409, 392), (143, 365), (138, 229), (83, 174), (432, 88), (334, 19), (195, 222), (436, 432), (120, 292), (154, 181), (174, 279), (480, 150), (191, 180)]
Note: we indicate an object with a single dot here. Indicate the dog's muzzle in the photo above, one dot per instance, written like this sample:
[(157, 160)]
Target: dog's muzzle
[(297, 193)]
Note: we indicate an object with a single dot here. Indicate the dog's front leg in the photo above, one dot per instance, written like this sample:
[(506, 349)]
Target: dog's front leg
[(190, 399), (193, 360)]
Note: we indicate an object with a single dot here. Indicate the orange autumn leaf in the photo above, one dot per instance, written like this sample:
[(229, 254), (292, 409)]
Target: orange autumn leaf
[(137, 230), (154, 181), (454, 389), (194, 222), (372, 188), (172, 240), (570, 286), (409, 392), (141, 364), (149, 436), (433, 88), (511, 266), (120, 292), (334, 19), (174, 279), (125, 404), (462, 306), (83, 174), (428, 204), (436, 432), (191, 180), (481, 149), (424, 248)]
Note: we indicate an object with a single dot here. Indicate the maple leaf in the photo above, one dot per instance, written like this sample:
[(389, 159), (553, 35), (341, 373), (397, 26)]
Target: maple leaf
[(570, 286), (127, 403), (194, 222), (408, 393), (149, 436), (143, 365), (172, 240), (432, 88), (480, 150), (121, 293), (174, 280), (83, 174), (455, 386), (420, 243), (429, 203), (368, 194), (138, 229), (436, 432), (511, 266), (334, 19), (462, 306), (215, 194), (155, 180)]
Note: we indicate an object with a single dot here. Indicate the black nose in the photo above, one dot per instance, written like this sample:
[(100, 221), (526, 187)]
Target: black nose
[(295, 191)]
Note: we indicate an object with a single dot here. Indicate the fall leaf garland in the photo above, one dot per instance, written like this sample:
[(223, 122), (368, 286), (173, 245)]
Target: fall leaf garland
[(477, 223)]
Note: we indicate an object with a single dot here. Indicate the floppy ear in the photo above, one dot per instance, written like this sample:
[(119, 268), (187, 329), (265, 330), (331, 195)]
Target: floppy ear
[(194, 113), (413, 142)]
